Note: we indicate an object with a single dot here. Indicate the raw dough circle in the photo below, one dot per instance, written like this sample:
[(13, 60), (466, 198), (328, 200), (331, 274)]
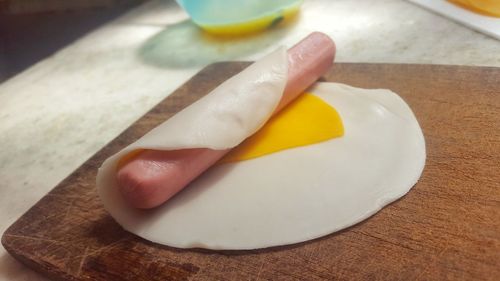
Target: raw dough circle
[(297, 194)]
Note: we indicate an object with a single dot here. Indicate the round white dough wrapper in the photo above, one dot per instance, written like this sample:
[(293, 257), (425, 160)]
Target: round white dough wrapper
[(296, 194)]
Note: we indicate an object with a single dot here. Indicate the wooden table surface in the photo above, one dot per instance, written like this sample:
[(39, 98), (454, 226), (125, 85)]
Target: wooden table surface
[(446, 228)]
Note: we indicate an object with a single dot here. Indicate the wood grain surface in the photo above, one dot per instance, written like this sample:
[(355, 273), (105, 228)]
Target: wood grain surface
[(446, 228)]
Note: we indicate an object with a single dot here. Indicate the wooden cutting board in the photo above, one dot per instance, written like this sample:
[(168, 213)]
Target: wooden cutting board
[(446, 228)]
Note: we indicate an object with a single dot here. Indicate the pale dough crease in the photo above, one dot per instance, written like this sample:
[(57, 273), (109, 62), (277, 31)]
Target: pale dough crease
[(281, 198), (222, 119)]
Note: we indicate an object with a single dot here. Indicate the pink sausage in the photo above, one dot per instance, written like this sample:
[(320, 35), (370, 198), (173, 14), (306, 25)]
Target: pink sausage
[(152, 177)]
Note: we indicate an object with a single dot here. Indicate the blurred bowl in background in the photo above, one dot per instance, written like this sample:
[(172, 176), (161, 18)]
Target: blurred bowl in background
[(222, 17)]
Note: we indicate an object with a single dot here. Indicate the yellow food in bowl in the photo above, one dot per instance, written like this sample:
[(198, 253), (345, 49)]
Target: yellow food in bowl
[(484, 7)]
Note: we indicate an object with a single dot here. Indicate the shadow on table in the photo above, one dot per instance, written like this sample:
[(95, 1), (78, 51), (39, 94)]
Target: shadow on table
[(183, 45), (26, 38)]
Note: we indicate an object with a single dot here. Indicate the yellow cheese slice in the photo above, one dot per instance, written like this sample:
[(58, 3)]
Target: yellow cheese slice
[(307, 120)]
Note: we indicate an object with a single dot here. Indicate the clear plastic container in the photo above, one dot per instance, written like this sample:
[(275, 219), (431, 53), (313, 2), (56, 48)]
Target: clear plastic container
[(236, 17)]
